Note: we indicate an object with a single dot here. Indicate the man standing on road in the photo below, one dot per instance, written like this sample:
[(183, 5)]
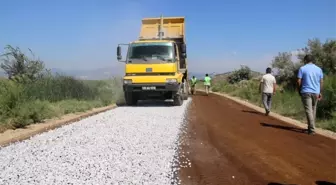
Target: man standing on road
[(310, 82), (267, 88), (193, 81), (207, 83)]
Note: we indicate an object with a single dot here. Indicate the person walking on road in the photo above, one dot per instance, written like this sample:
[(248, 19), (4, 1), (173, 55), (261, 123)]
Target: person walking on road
[(267, 88), (193, 81), (207, 83), (310, 82)]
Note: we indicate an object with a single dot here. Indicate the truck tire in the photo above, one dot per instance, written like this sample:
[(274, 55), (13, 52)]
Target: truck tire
[(130, 99), (185, 93), (185, 96), (178, 100)]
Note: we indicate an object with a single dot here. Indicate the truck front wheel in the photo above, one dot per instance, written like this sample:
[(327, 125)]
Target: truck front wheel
[(178, 100), (130, 99)]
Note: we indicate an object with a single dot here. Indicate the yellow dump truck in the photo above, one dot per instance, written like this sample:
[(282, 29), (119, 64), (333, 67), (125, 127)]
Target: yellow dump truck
[(156, 63)]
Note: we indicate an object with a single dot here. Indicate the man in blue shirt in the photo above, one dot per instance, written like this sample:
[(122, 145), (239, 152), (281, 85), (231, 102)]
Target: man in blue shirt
[(310, 81)]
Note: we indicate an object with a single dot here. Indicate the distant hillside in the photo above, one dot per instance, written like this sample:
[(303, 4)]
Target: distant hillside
[(224, 76), (93, 74)]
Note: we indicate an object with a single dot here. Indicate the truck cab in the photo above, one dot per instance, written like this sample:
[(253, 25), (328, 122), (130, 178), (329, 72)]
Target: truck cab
[(155, 65)]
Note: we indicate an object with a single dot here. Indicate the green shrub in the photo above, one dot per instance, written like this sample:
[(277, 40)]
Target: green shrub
[(327, 106), (32, 94), (244, 73), (31, 112), (72, 106), (22, 104), (57, 88), (11, 95), (329, 124)]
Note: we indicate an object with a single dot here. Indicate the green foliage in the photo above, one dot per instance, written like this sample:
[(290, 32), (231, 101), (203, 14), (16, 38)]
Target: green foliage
[(30, 112), (286, 69), (327, 106), (31, 94), (323, 53), (73, 106), (244, 73), (19, 67), (57, 88)]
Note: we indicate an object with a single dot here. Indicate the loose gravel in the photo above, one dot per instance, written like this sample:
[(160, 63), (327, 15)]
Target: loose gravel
[(127, 145)]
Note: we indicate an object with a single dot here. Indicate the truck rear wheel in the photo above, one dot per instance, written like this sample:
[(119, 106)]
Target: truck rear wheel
[(130, 99), (184, 92)]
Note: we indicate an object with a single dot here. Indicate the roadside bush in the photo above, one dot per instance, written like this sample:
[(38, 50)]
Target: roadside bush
[(57, 88), (73, 106), (31, 112), (19, 106), (11, 94), (244, 73), (327, 106), (32, 94)]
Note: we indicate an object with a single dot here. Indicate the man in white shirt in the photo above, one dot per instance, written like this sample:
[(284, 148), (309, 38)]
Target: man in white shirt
[(267, 88)]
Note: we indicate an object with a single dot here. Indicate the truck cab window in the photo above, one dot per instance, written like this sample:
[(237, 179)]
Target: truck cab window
[(151, 52)]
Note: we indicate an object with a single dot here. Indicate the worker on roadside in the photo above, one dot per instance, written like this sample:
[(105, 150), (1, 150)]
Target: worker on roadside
[(193, 82), (207, 83), (267, 88), (310, 84)]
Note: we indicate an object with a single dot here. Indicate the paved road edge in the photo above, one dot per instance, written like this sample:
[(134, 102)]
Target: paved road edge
[(17, 135), (323, 132)]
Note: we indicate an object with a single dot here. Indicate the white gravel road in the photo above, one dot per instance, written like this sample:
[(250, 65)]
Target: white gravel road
[(127, 145)]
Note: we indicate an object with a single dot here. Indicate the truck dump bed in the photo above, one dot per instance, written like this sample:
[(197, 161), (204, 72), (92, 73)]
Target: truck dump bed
[(173, 28)]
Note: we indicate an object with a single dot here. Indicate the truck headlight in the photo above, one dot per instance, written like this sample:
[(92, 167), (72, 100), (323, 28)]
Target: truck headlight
[(171, 80), (127, 81)]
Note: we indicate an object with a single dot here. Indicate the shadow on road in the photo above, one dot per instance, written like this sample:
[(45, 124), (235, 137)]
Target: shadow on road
[(148, 103), (253, 112), (324, 183), (317, 183), (294, 129), (199, 94)]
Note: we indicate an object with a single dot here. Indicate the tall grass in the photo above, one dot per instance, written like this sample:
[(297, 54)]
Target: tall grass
[(52, 96)]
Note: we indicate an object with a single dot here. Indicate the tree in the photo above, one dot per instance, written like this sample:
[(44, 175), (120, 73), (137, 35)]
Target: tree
[(324, 54), (287, 69), (244, 73), (18, 66), (330, 61)]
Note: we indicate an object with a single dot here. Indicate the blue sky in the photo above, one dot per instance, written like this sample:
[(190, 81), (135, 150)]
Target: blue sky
[(221, 34)]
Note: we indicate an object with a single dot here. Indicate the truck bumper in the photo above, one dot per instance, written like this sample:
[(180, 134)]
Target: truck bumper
[(158, 87), (152, 91)]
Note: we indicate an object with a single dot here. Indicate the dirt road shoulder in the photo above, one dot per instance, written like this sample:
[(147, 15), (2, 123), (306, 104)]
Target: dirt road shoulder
[(326, 133)]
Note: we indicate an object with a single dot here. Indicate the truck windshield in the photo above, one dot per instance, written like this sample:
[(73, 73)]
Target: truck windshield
[(151, 52)]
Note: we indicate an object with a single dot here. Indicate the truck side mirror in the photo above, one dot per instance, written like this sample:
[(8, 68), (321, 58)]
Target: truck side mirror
[(119, 57), (184, 55), (184, 48)]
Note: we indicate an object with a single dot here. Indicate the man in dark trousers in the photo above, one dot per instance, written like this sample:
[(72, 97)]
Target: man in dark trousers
[(310, 82)]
